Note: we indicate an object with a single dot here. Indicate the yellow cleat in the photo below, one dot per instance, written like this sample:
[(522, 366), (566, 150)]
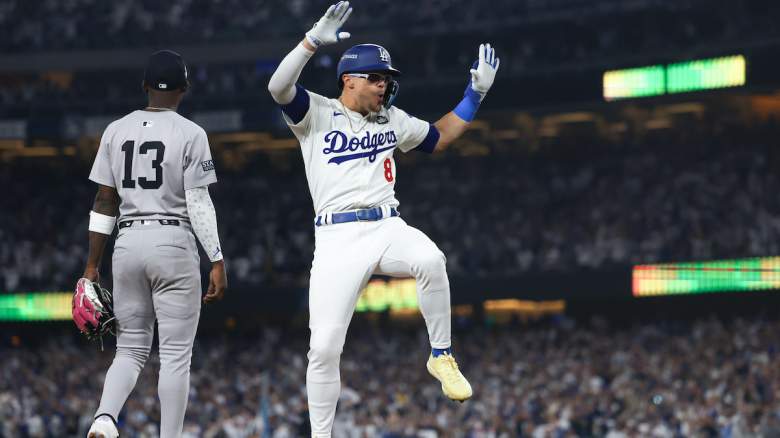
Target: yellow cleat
[(453, 384)]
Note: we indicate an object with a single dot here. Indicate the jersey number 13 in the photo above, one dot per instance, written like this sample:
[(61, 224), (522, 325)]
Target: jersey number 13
[(159, 151)]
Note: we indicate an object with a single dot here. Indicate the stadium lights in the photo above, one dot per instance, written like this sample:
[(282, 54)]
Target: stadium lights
[(45, 306), (681, 77), (740, 275), (393, 295)]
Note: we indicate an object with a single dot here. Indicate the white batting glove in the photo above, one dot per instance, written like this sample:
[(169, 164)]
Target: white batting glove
[(484, 72), (328, 29)]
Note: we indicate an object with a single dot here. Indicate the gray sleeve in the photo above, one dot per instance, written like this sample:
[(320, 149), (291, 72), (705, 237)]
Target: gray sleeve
[(101, 168), (198, 164)]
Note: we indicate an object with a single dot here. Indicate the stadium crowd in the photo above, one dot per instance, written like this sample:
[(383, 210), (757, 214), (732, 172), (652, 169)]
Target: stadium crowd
[(526, 33), (503, 214), (55, 25), (559, 378)]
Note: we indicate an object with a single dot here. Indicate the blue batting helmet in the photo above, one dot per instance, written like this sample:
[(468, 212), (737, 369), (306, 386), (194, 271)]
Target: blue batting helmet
[(365, 58)]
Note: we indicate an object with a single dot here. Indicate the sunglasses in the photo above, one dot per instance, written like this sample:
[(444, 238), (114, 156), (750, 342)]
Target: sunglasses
[(372, 77)]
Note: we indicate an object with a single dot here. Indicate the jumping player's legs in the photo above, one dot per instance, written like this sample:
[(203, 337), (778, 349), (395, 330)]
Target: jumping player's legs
[(135, 324), (410, 253), (340, 269), (173, 270)]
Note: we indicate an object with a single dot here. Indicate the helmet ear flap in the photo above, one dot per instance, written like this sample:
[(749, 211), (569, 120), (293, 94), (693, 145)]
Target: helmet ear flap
[(390, 94)]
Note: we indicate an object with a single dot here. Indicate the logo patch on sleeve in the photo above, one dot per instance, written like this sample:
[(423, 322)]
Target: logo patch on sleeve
[(207, 165)]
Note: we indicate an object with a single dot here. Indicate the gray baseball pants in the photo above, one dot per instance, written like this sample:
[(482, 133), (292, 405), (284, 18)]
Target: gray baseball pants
[(156, 272)]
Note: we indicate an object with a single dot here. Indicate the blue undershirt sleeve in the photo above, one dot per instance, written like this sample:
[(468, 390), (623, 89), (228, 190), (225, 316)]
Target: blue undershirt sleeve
[(297, 109), (429, 142)]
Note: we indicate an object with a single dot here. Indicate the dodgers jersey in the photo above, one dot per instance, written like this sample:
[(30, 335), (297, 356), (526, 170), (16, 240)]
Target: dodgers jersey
[(151, 158), (348, 157)]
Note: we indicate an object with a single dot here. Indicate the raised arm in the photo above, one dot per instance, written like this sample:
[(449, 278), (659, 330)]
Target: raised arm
[(326, 31), (483, 73)]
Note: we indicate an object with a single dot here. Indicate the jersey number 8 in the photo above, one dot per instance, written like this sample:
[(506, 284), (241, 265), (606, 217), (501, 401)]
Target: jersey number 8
[(159, 149), (388, 170)]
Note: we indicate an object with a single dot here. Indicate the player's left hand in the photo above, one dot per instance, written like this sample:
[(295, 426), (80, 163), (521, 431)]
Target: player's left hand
[(483, 73), (217, 282)]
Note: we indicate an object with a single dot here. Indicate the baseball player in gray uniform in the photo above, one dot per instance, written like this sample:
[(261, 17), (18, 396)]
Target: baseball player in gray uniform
[(153, 169)]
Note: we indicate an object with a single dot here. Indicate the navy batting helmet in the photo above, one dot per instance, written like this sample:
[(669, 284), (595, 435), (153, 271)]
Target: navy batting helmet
[(368, 58), (365, 58)]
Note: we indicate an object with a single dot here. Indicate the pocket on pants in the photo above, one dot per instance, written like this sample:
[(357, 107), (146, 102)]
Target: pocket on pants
[(172, 238)]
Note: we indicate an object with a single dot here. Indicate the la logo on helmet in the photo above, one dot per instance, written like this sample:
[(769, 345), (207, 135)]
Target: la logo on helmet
[(383, 55)]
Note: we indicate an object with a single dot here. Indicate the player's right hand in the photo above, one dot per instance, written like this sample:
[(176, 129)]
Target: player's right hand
[(91, 274), (217, 282), (328, 29)]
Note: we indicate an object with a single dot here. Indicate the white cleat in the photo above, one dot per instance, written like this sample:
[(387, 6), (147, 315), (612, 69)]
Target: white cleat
[(103, 427)]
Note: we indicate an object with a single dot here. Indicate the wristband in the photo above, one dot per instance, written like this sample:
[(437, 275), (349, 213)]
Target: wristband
[(101, 223), (467, 108)]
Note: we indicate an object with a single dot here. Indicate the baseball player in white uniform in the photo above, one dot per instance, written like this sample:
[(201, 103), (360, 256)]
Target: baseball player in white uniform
[(153, 169), (347, 146)]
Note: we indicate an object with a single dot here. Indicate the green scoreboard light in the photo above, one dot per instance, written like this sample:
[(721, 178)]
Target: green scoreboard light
[(706, 74), (681, 77), (741, 275), (48, 306), (634, 82), (392, 295)]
